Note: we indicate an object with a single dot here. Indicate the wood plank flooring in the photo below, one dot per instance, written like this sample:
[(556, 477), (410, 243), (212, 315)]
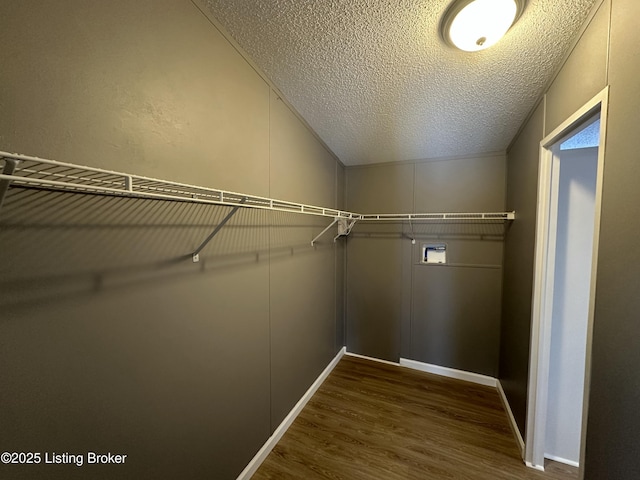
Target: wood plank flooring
[(373, 421)]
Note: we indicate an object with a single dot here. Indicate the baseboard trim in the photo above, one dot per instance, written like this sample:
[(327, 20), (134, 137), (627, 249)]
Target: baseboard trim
[(271, 442), (571, 463), (449, 372), (535, 467), (373, 359), (512, 418)]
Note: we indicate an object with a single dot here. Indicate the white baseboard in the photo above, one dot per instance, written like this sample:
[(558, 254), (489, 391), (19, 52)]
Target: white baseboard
[(512, 419), (357, 355), (449, 372), (535, 467), (571, 463), (262, 454)]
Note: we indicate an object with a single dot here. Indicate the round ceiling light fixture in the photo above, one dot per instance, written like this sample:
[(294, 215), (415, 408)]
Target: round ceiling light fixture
[(473, 25)]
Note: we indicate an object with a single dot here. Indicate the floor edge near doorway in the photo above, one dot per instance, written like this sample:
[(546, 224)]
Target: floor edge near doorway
[(571, 463), (512, 418)]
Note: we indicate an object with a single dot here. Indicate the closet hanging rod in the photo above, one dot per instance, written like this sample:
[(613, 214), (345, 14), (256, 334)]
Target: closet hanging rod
[(25, 170)]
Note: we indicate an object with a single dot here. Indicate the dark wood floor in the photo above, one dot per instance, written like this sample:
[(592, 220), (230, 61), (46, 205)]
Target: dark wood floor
[(374, 421)]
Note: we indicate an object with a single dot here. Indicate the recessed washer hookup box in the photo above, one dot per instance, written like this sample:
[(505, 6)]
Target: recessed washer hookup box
[(434, 253)]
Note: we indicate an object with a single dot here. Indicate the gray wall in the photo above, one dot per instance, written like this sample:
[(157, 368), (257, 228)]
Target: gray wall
[(111, 339), (378, 261), (396, 306), (612, 430), (612, 441)]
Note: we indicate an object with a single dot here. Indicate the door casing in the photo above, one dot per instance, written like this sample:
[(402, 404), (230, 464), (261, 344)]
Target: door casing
[(542, 299)]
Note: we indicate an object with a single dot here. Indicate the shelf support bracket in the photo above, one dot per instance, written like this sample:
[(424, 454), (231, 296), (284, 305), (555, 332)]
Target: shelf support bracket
[(196, 253), (9, 167), (344, 228), (335, 220), (413, 236)]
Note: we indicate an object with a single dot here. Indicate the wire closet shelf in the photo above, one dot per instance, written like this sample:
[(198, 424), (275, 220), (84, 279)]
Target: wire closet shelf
[(34, 172)]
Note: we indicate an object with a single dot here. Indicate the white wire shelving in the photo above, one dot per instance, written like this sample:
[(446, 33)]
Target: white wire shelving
[(399, 217), (37, 172), (34, 172)]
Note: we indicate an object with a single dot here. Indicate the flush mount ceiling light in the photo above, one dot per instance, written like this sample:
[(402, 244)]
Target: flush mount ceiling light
[(473, 25)]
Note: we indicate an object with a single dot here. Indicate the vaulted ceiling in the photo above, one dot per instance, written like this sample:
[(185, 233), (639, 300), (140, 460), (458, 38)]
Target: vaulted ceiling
[(377, 84)]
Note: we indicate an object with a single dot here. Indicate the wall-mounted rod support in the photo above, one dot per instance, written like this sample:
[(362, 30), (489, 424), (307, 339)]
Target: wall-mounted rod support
[(335, 220), (217, 229), (412, 237), (344, 228), (9, 166)]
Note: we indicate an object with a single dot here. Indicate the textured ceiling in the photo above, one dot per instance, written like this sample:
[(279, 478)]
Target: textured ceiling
[(377, 84)]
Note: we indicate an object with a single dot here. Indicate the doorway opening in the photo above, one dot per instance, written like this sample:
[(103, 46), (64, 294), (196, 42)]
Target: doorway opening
[(567, 232)]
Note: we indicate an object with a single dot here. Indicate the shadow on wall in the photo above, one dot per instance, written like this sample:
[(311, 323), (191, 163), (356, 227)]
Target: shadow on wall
[(59, 245), (112, 339)]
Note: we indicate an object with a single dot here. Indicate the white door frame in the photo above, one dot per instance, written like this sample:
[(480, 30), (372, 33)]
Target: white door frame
[(542, 301)]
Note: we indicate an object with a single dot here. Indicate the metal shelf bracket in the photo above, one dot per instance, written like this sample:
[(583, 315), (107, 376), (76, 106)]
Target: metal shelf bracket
[(10, 165), (412, 237), (196, 253), (335, 220), (344, 228)]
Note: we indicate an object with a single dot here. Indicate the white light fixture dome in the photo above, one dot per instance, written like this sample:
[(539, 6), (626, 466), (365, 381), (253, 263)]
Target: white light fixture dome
[(473, 25)]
